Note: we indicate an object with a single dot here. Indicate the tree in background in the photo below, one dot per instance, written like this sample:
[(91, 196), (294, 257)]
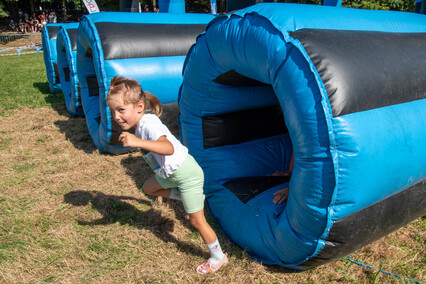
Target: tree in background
[(192, 6), (394, 5)]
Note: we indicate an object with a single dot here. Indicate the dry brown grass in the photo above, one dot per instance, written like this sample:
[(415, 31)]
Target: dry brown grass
[(72, 215)]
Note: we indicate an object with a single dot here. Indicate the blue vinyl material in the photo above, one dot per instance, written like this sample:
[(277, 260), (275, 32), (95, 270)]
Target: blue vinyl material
[(342, 164), (160, 75), (50, 57), (67, 58)]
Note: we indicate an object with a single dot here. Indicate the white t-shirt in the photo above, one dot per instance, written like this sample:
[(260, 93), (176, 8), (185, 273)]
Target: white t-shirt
[(151, 128)]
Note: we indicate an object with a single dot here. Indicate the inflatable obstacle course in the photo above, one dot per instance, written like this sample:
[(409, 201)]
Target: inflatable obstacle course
[(149, 47), (49, 35), (338, 87), (66, 50)]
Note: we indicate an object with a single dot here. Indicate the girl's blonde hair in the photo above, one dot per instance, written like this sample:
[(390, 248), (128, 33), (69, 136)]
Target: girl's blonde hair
[(131, 92)]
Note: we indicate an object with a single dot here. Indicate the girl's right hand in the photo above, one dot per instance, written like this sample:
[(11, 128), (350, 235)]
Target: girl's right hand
[(128, 140)]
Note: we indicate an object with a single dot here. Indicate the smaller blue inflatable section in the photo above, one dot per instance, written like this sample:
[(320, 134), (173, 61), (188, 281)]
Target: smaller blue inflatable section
[(66, 49), (49, 35), (148, 47)]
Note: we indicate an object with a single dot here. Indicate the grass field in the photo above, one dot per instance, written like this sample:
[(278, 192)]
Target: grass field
[(69, 214)]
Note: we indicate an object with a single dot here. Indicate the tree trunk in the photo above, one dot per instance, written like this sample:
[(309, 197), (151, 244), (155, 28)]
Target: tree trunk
[(32, 7), (64, 10)]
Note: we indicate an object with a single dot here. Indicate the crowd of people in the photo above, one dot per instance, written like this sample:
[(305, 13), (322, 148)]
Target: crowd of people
[(33, 23)]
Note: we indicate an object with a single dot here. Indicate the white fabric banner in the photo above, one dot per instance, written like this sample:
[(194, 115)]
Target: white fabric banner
[(91, 6)]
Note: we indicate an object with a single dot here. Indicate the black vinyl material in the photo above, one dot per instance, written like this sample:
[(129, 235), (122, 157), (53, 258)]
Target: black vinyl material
[(129, 40), (364, 70), (235, 79), (248, 187), (72, 33), (237, 127), (79, 94), (52, 31), (170, 117), (92, 84), (67, 74), (56, 70), (370, 224)]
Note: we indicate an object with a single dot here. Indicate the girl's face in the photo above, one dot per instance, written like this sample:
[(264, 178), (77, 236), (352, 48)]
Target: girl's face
[(127, 116)]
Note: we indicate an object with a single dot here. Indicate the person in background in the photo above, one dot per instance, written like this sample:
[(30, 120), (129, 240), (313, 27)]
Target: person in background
[(12, 25), (21, 26), (43, 20), (52, 17)]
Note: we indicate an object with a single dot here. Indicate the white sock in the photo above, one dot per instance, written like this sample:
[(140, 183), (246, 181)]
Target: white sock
[(216, 253), (175, 194)]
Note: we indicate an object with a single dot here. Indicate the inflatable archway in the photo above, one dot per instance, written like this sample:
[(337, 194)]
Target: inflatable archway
[(49, 34), (66, 50), (149, 47), (339, 87)]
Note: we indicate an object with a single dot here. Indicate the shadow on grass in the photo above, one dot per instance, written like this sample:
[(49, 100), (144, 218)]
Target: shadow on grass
[(56, 100), (139, 171), (114, 209), (76, 132)]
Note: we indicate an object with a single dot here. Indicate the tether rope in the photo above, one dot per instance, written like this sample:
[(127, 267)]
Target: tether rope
[(385, 272)]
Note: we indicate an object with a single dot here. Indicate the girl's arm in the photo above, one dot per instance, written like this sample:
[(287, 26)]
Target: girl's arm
[(162, 146)]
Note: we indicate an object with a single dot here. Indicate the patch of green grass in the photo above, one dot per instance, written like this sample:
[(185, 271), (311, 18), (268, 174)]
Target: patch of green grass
[(49, 278), (5, 143), (24, 83), (24, 167)]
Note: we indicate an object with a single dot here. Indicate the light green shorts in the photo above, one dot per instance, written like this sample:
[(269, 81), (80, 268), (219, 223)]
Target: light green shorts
[(189, 179)]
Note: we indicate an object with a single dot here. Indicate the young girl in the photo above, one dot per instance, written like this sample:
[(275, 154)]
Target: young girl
[(177, 174)]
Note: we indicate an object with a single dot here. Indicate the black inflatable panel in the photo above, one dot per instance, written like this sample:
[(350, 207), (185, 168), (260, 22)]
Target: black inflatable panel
[(354, 64), (370, 224), (248, 187), (72, 33), (92, 84), (52, 31), (237, 127), (170, 117), (233, 78), (129, 40), (55, 68), (67, 74)]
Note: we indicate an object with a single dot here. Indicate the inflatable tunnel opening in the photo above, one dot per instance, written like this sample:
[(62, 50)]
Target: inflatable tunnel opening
[(264, 125)]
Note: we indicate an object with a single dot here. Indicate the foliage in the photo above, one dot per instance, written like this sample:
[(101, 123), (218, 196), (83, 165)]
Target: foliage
[(395, 5)]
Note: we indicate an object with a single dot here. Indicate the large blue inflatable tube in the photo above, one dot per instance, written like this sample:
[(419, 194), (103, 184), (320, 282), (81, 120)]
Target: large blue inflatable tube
[(342, 89), (49, 35), (66, 50), (149, 47)]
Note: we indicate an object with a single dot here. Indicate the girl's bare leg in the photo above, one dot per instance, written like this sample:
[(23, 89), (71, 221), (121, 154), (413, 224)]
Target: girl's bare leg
[(152, 187), (199, 222)]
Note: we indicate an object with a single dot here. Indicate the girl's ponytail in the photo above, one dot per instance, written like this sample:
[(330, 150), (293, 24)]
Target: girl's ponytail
[(154, 103), (131, 92)]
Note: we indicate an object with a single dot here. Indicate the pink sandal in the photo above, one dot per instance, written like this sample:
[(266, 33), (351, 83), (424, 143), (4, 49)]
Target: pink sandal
[(208, 267)]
